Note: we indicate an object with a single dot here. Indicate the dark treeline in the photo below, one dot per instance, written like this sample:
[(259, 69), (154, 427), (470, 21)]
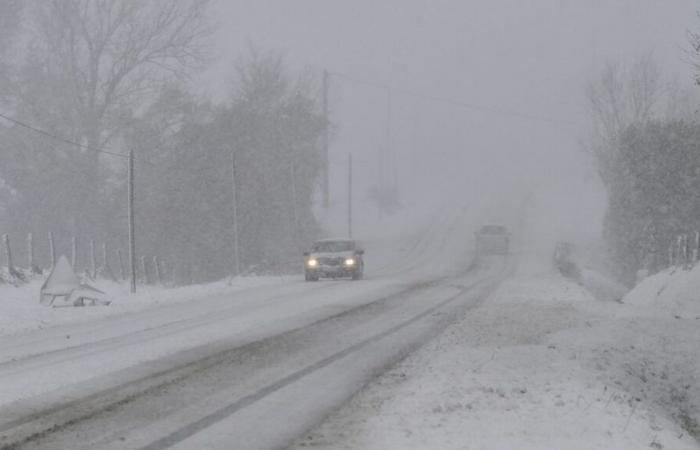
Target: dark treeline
[(109, 76), (647, 148), (655, 194)]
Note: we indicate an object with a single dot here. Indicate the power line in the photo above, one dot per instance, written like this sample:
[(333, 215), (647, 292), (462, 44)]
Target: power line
[(459, 104), (62, 139)]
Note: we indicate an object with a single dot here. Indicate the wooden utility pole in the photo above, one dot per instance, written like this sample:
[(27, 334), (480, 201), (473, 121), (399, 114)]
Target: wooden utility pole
[(132, 237), (52, 249), (93, 260), (350, 195), (295, 209), (234, 207), (325, 162), (74, 253)]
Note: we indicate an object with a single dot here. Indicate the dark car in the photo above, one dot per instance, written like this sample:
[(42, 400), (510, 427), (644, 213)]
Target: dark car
[(492, 240), (334, 258)]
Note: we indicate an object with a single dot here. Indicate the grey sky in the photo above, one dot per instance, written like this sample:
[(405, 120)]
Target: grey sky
[(531, 56)]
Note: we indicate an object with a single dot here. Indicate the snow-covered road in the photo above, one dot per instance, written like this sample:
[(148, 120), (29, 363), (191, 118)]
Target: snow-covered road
[(275, 357)]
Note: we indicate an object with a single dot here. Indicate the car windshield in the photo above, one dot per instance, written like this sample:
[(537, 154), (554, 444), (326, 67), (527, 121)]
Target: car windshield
[(333, 246), (493, 229)]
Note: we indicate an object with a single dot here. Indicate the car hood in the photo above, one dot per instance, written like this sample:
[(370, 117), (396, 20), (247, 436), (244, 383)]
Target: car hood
[(348, 254)]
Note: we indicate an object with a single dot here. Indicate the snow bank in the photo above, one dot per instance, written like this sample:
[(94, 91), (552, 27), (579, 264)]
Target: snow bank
[(675, 290), (20, 309)]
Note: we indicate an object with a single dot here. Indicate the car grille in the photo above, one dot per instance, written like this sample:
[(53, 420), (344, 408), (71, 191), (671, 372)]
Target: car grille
[(331, 261)]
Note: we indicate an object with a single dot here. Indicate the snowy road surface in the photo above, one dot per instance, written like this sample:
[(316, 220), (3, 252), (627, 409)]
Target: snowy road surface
[(257, 367)]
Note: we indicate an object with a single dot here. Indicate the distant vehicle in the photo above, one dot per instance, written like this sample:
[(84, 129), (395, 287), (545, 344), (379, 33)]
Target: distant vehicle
[(334, 258), (492, 240), (563, 260)]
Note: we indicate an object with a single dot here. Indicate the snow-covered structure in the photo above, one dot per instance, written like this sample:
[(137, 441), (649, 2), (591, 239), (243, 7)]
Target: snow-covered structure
[(63, 284)]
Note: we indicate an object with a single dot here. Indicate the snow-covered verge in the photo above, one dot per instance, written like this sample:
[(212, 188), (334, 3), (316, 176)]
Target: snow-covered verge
[(676, 291), (20, 309), (539, 365)]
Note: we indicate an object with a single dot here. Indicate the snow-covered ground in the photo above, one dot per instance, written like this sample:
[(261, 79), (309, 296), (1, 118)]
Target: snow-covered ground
[(674, 291), (540, 365), (20, 309)]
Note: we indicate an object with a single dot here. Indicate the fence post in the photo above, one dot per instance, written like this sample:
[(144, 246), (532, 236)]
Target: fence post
[(670, 255), (30, 253), (122, 270), (176, 274), (52, 250), (8, 252), (106, 269), (146, 280), (156, 264), (93, 260)]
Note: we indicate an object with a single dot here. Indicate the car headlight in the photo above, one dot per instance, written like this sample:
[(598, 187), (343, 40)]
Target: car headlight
[(349, 262), (312, 263)]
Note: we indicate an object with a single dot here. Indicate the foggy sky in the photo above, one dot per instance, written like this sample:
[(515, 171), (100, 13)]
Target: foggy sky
[(529, 56)]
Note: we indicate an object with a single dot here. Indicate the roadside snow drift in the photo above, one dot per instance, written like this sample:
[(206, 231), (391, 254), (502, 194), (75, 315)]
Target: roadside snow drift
[(675, 291)]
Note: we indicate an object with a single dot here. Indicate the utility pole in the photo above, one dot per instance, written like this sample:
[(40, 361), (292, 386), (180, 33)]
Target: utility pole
[(325, 158), (295, 209), (74, 253), (234, 207), (52, 249), (391, 185), (350, 195), (132, 236)]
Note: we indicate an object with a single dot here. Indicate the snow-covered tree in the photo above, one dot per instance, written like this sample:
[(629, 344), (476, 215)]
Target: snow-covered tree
[(656, 192)]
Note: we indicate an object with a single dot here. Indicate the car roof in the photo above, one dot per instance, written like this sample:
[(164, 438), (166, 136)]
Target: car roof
[(493, 229), (335, 240)]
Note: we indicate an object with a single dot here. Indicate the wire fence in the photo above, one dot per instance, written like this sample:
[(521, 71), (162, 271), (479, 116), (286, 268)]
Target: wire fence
[(36, 256)]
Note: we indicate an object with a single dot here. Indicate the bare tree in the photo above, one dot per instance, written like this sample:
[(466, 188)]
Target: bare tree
[(113, 55), (694, 51), (10, 14), (623, 94), (91, 67)]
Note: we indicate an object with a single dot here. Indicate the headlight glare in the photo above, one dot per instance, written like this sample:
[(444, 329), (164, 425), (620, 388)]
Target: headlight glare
[(312, 263), (349, 262)]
